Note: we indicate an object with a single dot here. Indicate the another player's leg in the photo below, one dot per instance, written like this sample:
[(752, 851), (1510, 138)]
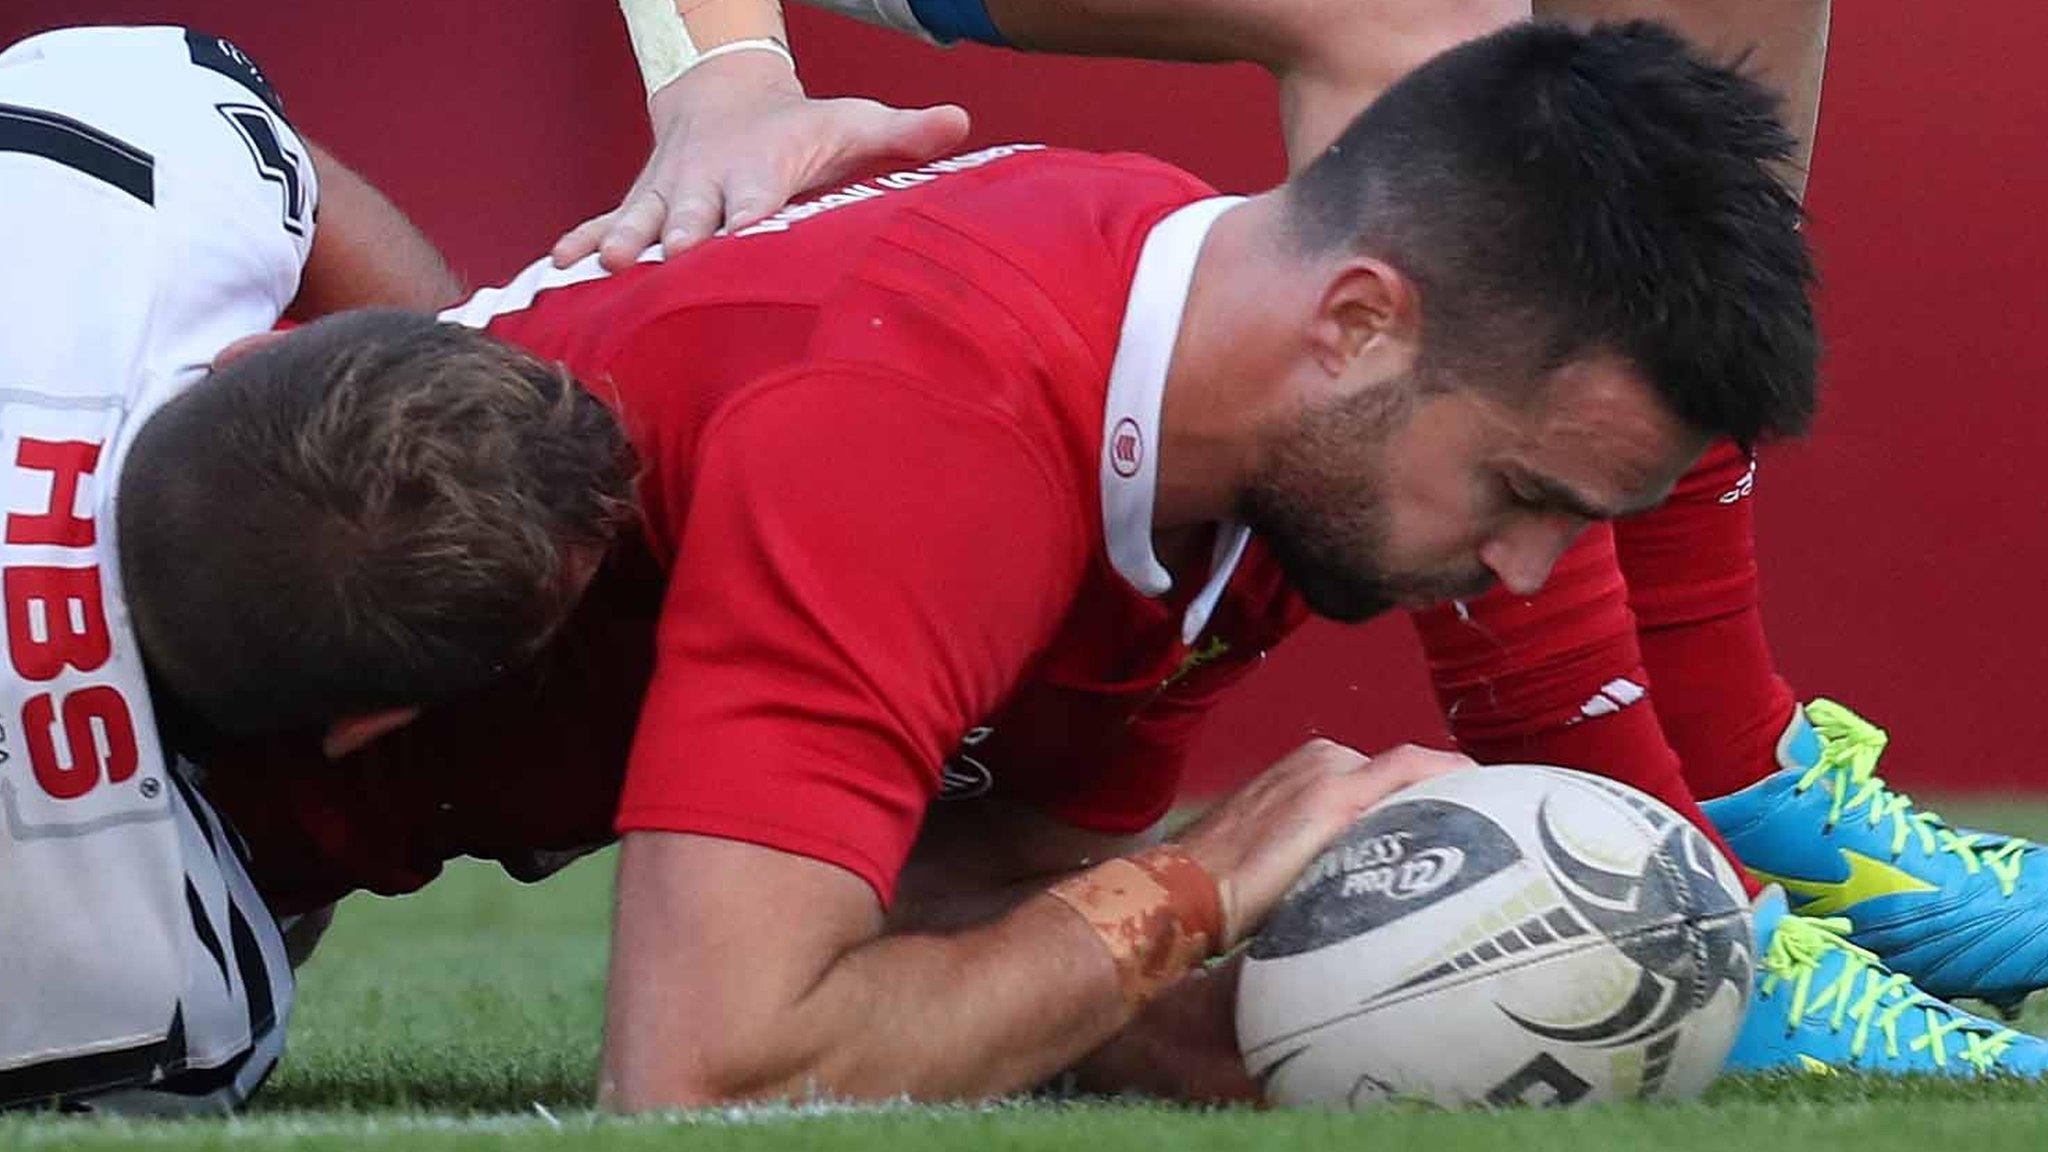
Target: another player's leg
[(1691, 571), (1560, 678), (1556, 678), (1796, 791)]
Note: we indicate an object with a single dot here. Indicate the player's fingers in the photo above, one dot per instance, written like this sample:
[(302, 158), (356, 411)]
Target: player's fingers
[(1393, 770), (1320, 757), (692, 217), (868, 133), (631, 229), (921, 133), (751, 196), (1422, 763), (581, 240)]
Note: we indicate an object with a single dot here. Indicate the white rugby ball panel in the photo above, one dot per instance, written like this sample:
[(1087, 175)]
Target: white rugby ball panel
[(1506, 934)]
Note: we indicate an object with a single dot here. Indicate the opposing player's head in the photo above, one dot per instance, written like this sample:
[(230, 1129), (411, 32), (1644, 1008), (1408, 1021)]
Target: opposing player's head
[(373, 512), (1552, 265)]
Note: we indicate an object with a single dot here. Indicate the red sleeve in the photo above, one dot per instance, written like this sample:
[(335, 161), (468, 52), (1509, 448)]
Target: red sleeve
[(867, 567)]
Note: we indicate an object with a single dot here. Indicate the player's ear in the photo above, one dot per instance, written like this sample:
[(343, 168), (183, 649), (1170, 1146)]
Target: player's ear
[(354, 733), (245, 344), (1369, 309)]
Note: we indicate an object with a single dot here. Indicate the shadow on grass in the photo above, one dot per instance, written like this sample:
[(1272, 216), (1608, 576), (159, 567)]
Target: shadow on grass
[(396, 1081)]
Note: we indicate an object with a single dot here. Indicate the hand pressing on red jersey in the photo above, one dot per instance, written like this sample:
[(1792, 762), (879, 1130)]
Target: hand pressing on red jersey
[(745, 972), (734, 139)]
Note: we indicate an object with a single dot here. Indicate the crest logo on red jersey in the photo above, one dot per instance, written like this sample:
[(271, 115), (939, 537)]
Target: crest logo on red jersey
[(1126, 448)]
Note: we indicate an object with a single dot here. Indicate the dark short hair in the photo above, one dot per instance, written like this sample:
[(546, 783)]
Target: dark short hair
[(1556, 192), (375, 510)]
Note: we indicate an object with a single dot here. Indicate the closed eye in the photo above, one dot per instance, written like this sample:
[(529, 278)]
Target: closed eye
[(1538, 494), (1518, 496)]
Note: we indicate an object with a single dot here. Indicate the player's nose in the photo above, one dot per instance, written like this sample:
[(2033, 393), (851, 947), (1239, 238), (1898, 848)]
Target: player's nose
[(1523, 554)]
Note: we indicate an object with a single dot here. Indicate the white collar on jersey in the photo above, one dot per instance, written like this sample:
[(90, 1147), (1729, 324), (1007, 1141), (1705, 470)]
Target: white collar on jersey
[(518, 293), (1130, 418)]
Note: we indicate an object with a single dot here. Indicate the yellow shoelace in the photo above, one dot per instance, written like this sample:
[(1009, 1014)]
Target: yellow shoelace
[(1850, 748), (1870, 998)]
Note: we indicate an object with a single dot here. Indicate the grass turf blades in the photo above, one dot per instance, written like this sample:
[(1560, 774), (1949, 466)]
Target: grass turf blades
[(468, 1017)]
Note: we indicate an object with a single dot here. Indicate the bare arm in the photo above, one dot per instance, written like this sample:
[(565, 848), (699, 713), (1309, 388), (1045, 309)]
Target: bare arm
[(366, 253), (736, 138), (1354, 37), (975, 860), (712, 1000), (742, 972), (1334, 56)]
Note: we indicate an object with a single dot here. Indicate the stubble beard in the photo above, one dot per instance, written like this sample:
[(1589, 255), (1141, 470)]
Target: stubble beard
[(1318, 512)]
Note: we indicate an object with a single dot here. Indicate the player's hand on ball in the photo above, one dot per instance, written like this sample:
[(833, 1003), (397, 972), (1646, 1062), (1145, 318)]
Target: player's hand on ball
[(1256, 842), (734, 139)]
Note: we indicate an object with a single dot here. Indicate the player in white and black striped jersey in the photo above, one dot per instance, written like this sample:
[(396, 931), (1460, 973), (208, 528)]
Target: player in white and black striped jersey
[(155, 208)]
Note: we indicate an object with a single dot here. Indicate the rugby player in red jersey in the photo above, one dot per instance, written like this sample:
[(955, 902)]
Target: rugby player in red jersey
[(1645, 658), (994, 473)]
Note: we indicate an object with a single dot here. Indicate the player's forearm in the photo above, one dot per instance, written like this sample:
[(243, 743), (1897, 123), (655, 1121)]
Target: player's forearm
[(977, 1013), (366, 253), (1332, 56), (741, 971), (1787, 43), (1272, 33), (1357, 38), (711, 1001)]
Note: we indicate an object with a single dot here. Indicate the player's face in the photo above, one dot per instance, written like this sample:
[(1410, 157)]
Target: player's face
[(1402, 495)]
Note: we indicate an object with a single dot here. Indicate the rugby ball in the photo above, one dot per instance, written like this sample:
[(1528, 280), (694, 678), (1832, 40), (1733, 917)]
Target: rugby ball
[(1516, 934)]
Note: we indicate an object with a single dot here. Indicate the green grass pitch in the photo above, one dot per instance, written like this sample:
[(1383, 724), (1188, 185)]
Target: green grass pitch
[(468, 1017)]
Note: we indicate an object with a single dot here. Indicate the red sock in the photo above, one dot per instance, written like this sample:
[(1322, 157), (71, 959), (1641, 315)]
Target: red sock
[(1692, 581), (1557, 678)]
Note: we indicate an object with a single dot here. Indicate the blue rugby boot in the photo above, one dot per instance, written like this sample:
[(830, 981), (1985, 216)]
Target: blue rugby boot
[(1824, 1005), (1963, 913)]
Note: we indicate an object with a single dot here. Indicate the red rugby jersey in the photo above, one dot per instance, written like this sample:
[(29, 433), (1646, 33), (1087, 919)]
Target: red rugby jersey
[(898, 477)]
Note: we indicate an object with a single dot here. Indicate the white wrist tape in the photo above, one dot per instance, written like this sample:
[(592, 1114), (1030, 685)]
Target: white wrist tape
[(668, 43), (757, 44)]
